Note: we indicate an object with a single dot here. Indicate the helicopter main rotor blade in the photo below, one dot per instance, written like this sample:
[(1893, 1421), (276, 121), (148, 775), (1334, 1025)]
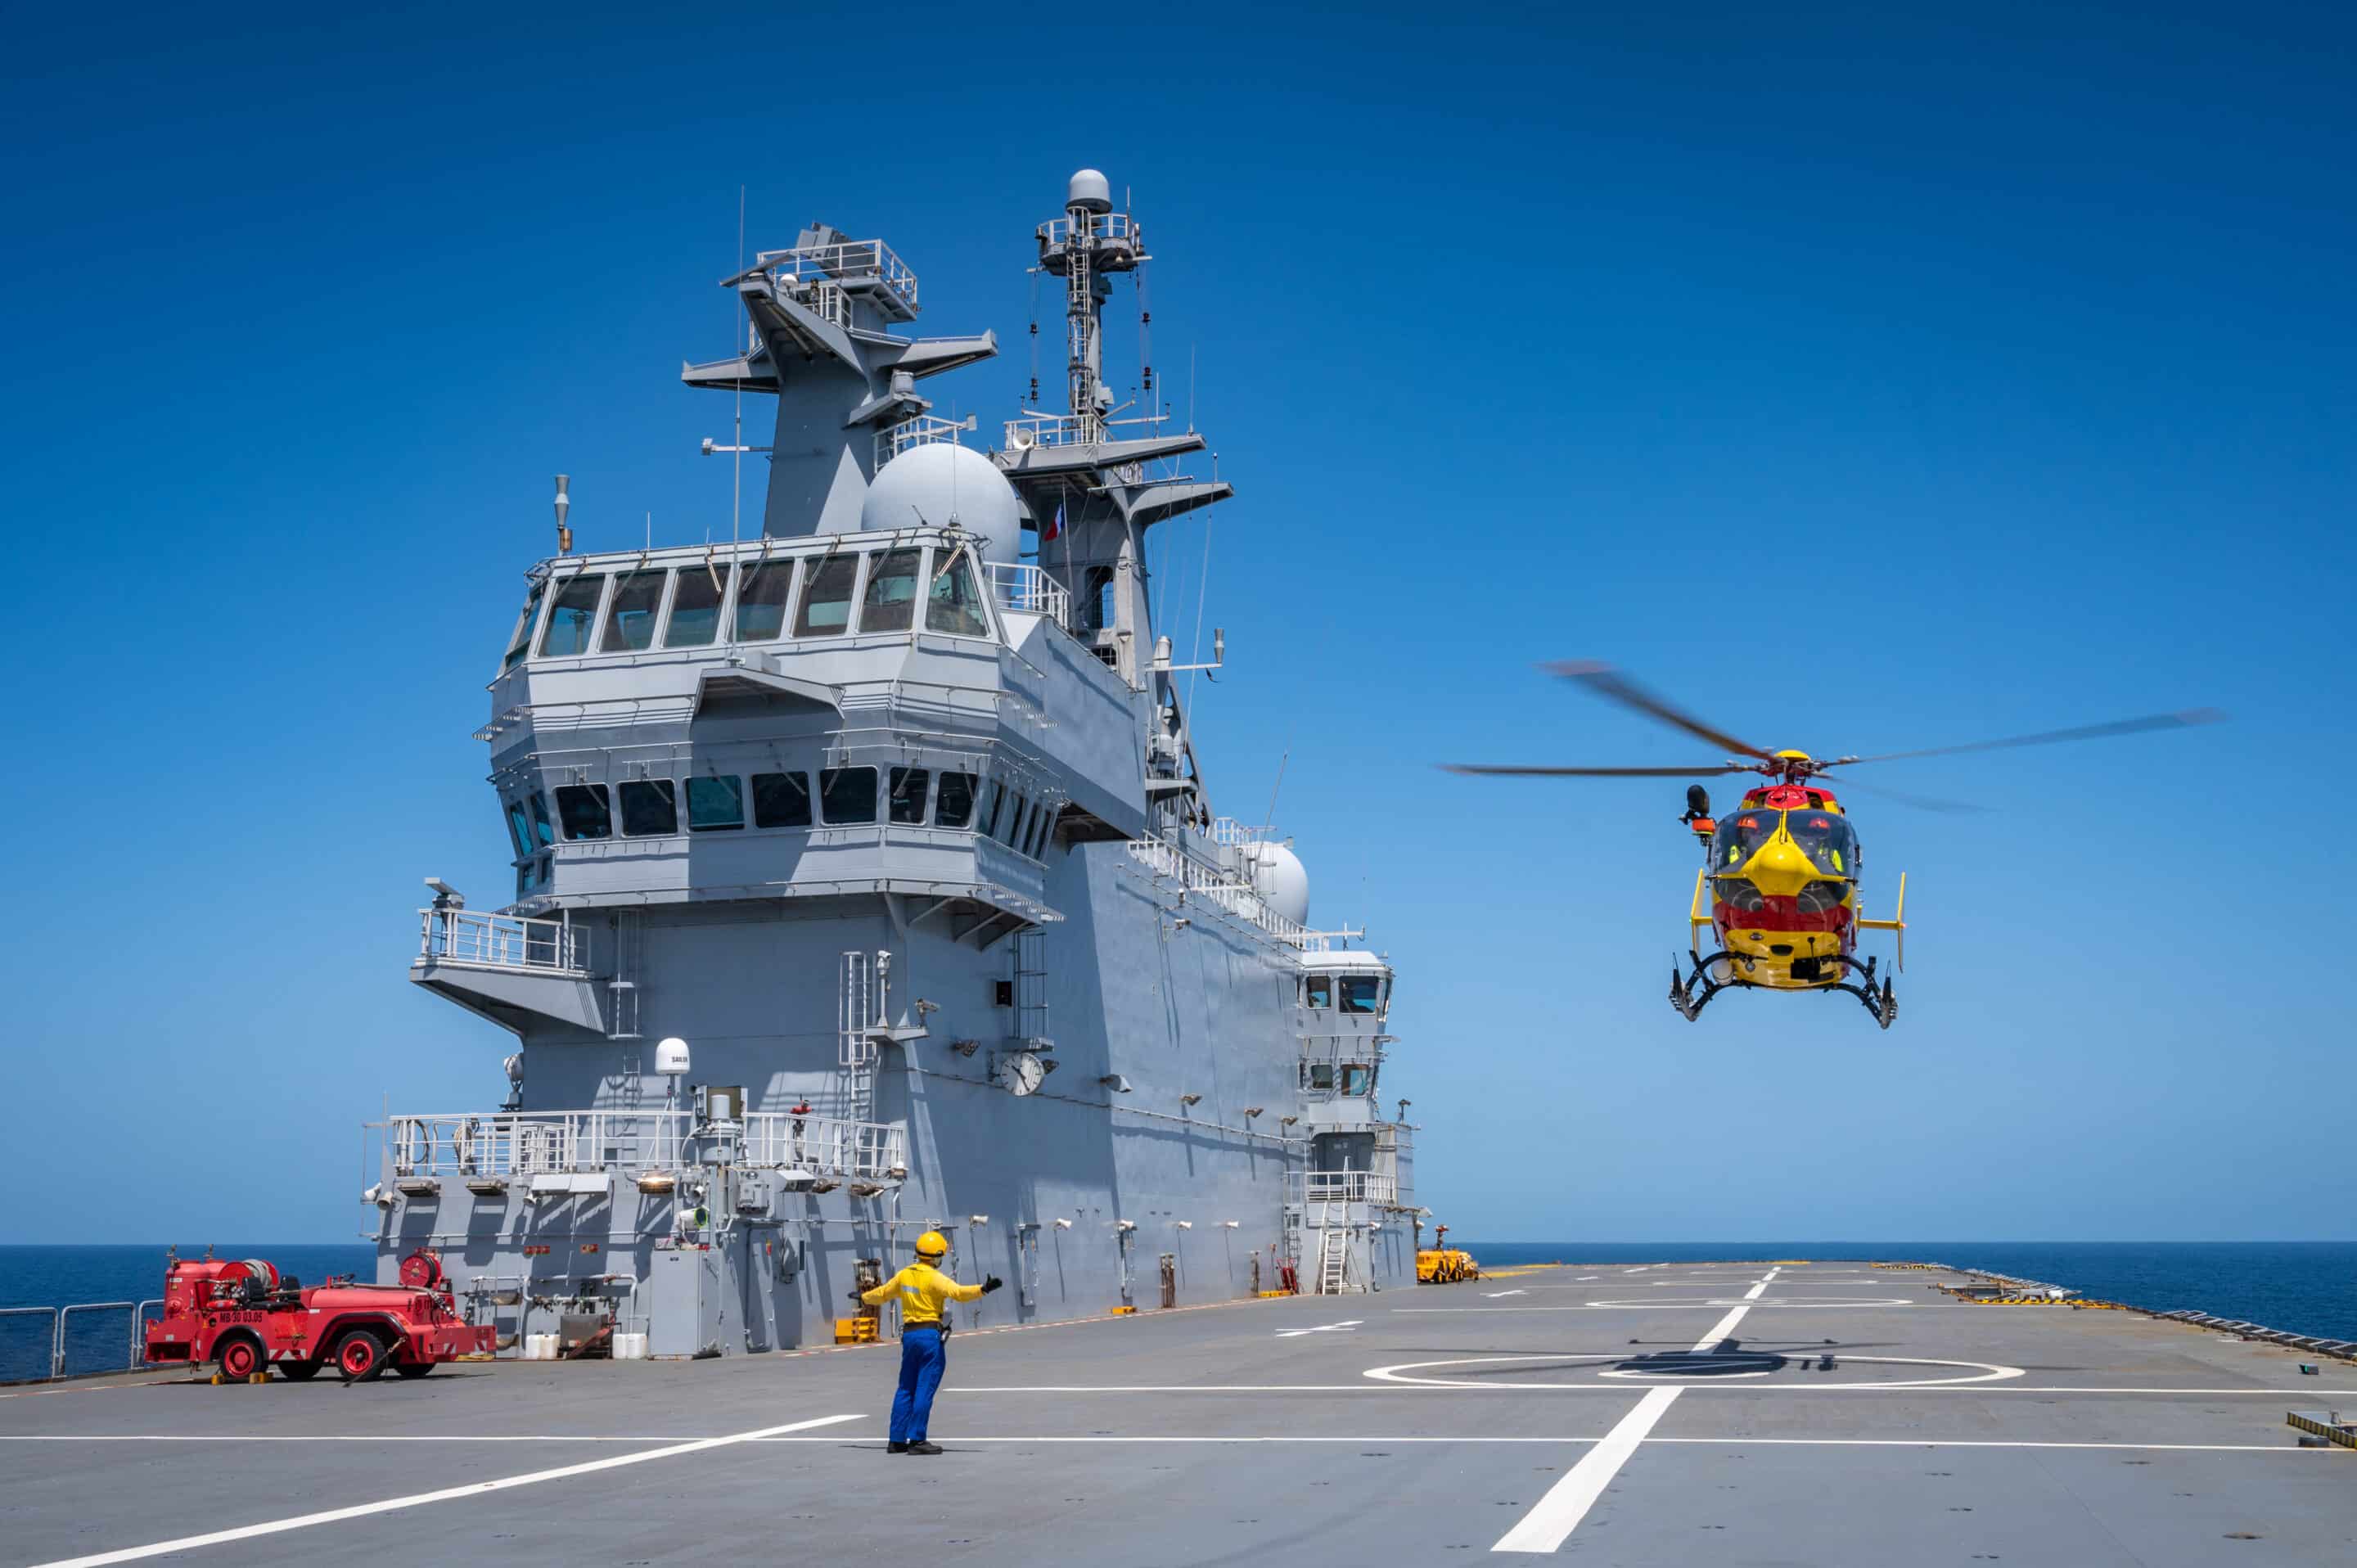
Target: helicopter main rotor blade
[(2183, 720), (1607, 681), (1921, 802), (1714, 772)]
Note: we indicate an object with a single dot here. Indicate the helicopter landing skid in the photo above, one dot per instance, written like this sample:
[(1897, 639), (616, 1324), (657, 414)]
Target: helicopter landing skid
[(1879, 1001)]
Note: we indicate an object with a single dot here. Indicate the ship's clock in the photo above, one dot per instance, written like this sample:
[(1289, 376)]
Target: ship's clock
[(1021, 1072)]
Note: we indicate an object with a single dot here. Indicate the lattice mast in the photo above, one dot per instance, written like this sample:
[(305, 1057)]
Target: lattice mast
[(1085, 247)]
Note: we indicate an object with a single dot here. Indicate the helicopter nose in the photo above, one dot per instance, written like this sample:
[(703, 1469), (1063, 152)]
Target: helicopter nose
[(1779, 869)]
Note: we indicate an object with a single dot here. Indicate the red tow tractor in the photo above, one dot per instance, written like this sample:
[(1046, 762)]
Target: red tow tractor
[(242, 1316)]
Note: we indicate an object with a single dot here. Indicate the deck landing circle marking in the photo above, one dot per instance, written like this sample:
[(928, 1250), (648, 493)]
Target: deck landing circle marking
[(1739, 1301), (1989, 1372)]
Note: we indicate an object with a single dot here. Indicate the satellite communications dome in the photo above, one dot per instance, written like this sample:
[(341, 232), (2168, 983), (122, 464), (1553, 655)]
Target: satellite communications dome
[(942, 483), (1090, 190), (1281, 880)]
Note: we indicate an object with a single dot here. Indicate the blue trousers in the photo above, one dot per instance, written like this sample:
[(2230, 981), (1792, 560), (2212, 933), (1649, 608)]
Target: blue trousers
[(922, 1360)]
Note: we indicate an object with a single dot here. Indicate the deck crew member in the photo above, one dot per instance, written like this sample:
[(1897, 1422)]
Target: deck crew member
[(923, 1290)]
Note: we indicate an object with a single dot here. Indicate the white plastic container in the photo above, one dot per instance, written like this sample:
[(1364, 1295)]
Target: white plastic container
[(630, 1347)]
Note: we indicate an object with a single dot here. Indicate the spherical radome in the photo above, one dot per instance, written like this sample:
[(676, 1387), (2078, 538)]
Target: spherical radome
[(1090, 190), (942, 484), (1281, 880)]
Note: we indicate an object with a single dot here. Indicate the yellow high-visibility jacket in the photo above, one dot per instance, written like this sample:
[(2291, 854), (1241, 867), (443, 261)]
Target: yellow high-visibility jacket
[(921, 1289)]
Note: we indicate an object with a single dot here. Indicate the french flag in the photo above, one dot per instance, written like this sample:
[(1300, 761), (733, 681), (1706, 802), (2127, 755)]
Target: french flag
[(1055, 528)]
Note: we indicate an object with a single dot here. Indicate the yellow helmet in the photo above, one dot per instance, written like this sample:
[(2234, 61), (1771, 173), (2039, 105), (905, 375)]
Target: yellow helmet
[(932, 1244)]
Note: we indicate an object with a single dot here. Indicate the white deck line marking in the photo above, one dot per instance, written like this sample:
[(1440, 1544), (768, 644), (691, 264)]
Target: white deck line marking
[(2309, 1392), (447, 1494), (1495, 1295), (1755, 1292), (1342, 1328), (842, 1437), (1558, 1513), (1550, 1524)]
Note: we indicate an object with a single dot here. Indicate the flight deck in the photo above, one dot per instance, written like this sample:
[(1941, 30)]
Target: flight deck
[(1821, 1413)]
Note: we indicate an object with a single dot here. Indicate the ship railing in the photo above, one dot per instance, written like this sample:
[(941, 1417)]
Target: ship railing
[(1101, 226), (501, 941), (1233, 833), (1029, 590), (1347, 1187), (849, 262), (550, 1143), (1218, 887), (923, 430), (1054, 430)]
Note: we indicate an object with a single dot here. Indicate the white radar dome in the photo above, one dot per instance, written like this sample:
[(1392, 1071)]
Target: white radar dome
[(941, 484), (671, 1055), (1281, 880), (1089, 190)]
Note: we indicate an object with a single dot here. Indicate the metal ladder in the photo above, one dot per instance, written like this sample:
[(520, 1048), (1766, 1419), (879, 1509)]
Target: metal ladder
[(855, 1053), (1333, 1249), (1031, 989), (622, 1023)]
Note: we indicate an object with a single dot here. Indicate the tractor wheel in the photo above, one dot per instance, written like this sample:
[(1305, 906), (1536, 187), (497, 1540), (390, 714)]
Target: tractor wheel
[(298, 1371), (360, 1355), (414, 1369), (240, 1359)]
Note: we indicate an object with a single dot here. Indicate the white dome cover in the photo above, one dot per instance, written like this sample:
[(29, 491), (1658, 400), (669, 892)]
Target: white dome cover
[(940, 484), (1280, 880)]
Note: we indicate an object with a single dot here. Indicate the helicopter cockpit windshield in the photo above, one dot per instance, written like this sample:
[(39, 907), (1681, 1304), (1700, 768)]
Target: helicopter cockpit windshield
[(1740, 835), (1826, 839)]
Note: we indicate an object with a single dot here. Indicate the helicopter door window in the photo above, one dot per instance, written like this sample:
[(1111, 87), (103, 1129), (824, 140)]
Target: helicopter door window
[(1317, 991), (1361, 994), (584, 811), (1740, 835), (1826, 840)]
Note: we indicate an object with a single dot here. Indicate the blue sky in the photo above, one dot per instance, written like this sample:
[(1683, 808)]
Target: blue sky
[(1866, 381)]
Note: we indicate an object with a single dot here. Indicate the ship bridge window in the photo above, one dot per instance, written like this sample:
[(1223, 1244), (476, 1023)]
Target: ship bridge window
[(761, 595), (543, 832), (573, 615), (649, 808), (717, 804), (954, 603), (519, 830), (1740, 835), (847, 794), (781, 800), (1357, 1078), (908, 799), (997, 803), (1041, 820), (585, 812), (1362, 994), (1015, 823), (1826, 839), (695, 607), (953, 803), (891, 591), (826, 602), (1317, 991), (520, 642), (1096, 598), (630, 613)]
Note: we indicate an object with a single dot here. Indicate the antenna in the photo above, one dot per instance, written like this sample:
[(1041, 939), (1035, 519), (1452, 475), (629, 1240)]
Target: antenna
[(564, 507)]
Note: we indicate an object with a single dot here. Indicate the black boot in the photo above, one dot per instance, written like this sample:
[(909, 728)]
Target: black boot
[(922, 1446), (896, 1448)]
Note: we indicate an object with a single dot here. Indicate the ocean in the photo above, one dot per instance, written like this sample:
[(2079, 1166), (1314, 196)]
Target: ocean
[(2301, 1288), (2304, 1287)]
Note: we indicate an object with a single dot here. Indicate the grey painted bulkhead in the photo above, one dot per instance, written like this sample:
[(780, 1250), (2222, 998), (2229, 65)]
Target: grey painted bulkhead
[(1178, 1116)]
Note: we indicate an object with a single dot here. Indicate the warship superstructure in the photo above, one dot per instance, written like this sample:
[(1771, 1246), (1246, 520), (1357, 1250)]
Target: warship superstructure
[(867, 881)]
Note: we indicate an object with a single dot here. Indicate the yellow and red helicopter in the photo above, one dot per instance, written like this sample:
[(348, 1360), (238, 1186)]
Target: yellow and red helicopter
[(1779, 885)]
